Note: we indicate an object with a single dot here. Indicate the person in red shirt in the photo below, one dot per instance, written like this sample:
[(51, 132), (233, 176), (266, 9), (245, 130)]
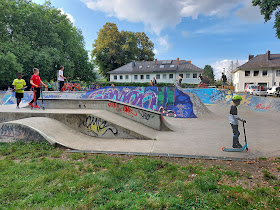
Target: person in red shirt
[(36, 82)]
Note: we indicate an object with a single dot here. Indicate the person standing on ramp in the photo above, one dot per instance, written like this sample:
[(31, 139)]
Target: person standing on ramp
[(19, 86), (61, 78), (36, 82)]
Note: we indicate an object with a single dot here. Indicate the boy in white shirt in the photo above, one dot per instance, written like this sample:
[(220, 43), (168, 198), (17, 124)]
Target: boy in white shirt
[(61, 78)]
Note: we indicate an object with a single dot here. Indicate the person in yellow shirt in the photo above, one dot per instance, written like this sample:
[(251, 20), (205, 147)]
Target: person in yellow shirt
[(19, 86)]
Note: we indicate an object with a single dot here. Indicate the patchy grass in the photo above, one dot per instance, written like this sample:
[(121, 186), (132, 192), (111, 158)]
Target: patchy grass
[(39, 176)]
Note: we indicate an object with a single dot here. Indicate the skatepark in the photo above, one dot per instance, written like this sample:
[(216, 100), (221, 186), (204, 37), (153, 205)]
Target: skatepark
[(164, 121)]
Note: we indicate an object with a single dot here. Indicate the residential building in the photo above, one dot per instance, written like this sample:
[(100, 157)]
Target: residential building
[(263, 70), (163, 70)]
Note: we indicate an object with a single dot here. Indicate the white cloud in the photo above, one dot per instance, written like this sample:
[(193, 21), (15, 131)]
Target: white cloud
[(249, 13), (160, 14), (155, 51), (224, 65), (186, 34), (69, 16), (164, 43)]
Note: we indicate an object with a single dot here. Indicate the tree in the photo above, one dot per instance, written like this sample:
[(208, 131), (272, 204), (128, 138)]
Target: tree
[(41, 36), (268, 9), (209, 73), (113, 49)]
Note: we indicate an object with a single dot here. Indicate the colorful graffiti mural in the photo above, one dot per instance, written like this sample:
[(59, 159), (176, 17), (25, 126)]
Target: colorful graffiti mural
[(168, 100)]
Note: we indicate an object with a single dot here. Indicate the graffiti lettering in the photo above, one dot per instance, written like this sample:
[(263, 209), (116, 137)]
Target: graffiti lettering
[(122, 108), (12, 131), (260, 106), (97, 126), (145, 115)]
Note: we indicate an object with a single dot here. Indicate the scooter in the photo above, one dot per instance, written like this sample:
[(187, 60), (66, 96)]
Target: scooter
[(245, 147)]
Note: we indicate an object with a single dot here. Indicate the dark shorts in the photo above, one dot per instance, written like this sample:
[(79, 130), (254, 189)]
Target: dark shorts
[(19, 95), (224, 83)]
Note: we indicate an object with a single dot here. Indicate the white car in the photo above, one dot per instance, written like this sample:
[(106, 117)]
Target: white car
[(272, 90), (251, 88)]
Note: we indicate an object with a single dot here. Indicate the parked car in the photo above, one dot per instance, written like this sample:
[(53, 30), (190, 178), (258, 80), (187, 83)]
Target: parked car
[(272, 90), (260, 92), (251, 88)]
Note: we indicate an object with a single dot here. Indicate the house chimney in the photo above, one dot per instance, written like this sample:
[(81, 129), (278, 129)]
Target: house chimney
[(268, 55), (155, 61), (189, 61), (178, 61), (250, 57), (133, 63)]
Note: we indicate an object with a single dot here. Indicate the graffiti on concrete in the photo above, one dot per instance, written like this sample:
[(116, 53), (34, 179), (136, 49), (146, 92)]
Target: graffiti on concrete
[(122, 108), (96, 126), (145, 115), (167, 100), (12, 131), (260, 106)]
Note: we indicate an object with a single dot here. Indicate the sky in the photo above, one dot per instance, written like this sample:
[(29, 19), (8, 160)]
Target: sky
[(207, 32)]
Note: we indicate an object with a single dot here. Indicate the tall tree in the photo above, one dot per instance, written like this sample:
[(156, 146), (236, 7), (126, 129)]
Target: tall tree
[(268, 9), (41, 36), (209, 73), (113, 48)]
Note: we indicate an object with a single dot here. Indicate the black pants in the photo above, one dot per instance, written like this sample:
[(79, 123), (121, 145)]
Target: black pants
[(61, 84), (236, 134), (36, 95)]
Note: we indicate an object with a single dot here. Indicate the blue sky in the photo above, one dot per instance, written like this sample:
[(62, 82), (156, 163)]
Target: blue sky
[(210, 32)]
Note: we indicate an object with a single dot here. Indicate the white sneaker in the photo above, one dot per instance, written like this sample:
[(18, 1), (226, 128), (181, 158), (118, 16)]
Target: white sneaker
[(17, 107)]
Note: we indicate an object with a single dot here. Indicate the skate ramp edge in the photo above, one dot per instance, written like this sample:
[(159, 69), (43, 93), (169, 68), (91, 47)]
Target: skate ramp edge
[(150, 118), (18, 130)]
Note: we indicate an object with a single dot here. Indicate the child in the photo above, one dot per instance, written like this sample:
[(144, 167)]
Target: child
[(19, 85), (233, 120), (36, 82)]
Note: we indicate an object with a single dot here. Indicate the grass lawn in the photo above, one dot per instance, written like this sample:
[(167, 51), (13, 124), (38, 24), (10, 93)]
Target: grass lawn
[(39, 176)]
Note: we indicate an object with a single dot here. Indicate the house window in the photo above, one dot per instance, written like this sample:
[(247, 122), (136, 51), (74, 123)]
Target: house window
[(256, 73), (141, 76), (135, 77), (147, 76), (188, 75), (158, 76), (115, 77), (121, 77), (126, 76), (264, 73), (164, 76), (194, 75), (170, 76), (181, 75), (247, 73), (161, 66), (172, 66), (278, 73)]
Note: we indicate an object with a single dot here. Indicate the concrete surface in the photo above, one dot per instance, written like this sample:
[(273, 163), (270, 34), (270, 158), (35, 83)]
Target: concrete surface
[(192, 136), (97, 123)]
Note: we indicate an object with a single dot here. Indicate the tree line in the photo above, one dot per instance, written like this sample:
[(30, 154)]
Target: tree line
[(40, 36)]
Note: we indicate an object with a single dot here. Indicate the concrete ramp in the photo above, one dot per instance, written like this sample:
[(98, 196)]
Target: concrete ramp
[(96, 123), (46, 129)]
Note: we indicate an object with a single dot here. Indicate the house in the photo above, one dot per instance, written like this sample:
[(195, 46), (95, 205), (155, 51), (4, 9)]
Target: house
[(163, 70), (263, 70)]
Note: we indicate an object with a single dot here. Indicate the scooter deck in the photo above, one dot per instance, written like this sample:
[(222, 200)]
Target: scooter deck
[(236, 149)]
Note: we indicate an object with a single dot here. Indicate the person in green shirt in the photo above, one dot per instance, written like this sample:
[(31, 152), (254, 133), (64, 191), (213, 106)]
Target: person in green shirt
[(19, 86)]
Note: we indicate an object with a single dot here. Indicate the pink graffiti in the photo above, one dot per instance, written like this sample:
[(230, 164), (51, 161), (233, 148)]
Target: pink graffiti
[(122, 108), (259, 106)]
